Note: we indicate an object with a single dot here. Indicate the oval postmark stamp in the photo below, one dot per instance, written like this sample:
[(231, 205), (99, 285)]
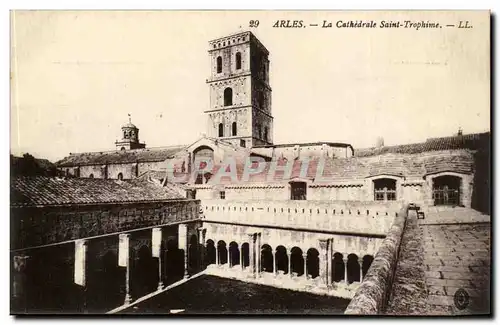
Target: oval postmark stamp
[(461, 299)]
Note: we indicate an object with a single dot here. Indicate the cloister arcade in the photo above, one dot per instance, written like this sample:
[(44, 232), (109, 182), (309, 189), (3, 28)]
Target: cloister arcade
[(282, 261)]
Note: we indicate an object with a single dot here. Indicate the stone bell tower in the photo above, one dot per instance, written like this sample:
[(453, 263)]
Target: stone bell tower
[(130, 137), (240, 95)]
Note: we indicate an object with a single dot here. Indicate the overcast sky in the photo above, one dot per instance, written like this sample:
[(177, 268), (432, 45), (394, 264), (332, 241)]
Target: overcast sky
[(76, 75)]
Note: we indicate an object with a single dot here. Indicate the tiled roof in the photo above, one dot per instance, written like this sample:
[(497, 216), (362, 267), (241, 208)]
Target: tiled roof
[(49, 191), (304, 144), (467, 141), (120, 157)]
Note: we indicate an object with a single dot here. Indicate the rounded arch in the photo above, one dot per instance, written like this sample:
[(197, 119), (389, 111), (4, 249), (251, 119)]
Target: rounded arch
[(267, 261), (120, 176), (313, 262), (222, 252), (281, 259), (234, 129), (234, 254), (367, 262), (219, 64), (353, 274), (203, 156), (238, 60), (203, 151), (297, 261), (91, 176), (221, 130), (338, 267), (228, 96), (210, 257), (245, 252)]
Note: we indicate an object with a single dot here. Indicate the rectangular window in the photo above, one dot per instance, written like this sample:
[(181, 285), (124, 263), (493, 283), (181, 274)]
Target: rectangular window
[(242, 143), (298, 191), (222, 195)]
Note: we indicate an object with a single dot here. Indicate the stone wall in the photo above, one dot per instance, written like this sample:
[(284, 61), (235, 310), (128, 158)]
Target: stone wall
[(343, 217), (373, 294), (35, 226)]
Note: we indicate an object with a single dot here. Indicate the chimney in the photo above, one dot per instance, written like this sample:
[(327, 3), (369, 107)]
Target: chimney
[(459, 133), (379, 143)]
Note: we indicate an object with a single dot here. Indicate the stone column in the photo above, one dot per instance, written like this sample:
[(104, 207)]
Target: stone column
[(304, 256), (184, 245), (289, 263), (80, 275), (275, 263), (329, 274), (241, 257), (124, 261), (156, 253), (345, 259), (202, 232), (360, 261), (19, 286), (251, 251), (323, 261), (258, 254), (228, 257), (216, 255)]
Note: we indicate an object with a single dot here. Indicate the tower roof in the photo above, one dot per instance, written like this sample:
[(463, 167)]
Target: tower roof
[(129, 124)]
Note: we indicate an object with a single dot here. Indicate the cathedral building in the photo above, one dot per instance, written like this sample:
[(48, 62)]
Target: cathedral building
[(240, 125), (127, 224)]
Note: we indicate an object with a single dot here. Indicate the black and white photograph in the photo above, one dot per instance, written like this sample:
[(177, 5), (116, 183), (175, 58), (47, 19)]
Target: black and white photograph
[(250, 162)]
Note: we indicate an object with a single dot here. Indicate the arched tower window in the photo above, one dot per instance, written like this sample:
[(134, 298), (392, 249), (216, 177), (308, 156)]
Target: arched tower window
[(120, 176), (238, 60), (265, 133), (219, 64), (384, 189), (234, 129), (221, 130), (91, 176), (228, 97), (446, 190)]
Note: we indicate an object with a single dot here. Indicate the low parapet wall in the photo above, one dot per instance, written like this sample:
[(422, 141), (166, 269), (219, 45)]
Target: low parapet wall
[(373, 294), (342, 216)]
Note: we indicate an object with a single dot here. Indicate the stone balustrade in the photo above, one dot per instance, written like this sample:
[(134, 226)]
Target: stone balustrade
[(339, 216)]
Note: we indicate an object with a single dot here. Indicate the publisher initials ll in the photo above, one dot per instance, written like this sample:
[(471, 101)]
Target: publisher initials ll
[(463, 24)]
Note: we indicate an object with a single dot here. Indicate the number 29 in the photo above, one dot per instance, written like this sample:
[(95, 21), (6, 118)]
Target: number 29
[(254, 23)]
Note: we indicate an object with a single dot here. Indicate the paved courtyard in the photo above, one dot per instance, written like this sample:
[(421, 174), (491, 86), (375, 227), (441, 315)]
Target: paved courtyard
[(209, 294), (457, 257)]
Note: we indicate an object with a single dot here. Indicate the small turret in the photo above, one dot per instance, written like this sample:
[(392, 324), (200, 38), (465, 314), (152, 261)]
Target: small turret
[(130, 137)]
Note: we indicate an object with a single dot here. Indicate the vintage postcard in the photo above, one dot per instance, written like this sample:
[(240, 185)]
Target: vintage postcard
[(288, 162)]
